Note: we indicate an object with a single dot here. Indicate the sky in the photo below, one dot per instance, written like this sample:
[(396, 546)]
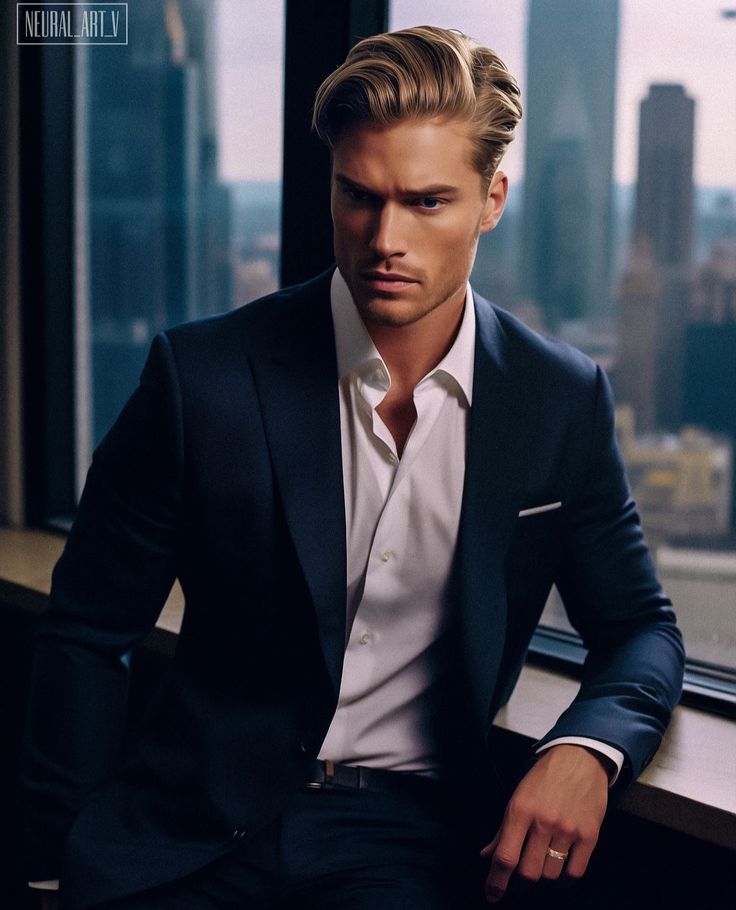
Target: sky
[(686, 41)]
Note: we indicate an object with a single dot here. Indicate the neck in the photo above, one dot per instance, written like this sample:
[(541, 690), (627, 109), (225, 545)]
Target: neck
[(411, 351)]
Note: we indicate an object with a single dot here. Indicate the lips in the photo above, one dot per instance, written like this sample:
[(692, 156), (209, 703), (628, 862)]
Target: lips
[(388, 282)]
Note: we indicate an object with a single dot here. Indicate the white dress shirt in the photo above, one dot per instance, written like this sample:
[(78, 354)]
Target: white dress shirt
[(401, 517)]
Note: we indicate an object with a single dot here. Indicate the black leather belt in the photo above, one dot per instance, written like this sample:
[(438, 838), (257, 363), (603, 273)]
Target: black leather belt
[(329, 775)]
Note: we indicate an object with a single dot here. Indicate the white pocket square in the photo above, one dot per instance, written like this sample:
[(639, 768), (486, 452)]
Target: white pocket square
[(537, 509)]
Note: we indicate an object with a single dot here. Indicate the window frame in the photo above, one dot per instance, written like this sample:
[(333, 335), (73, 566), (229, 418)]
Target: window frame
[(306, 175), (46, 230)]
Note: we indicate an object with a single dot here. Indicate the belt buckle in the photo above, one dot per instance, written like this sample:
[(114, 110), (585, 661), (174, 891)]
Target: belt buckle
[(325, 784)]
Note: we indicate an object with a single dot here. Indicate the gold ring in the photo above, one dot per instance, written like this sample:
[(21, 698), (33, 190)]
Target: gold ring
[(555, 854)]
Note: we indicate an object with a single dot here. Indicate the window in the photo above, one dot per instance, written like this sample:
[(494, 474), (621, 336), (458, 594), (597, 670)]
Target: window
[(151, 193), (165, 157), (620, 237), (178, 185)]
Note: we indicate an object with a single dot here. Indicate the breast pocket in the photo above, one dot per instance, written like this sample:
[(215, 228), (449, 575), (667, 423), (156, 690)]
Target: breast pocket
[(535, 545)]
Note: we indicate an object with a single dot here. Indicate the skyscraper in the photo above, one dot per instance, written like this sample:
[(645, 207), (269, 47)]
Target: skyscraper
[(710, 343), (664, 189), (663, 223), (639, 308), (156, 220), (567, 218)]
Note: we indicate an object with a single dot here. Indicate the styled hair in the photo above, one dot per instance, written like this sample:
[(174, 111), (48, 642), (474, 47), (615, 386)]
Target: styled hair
[(423, 72)]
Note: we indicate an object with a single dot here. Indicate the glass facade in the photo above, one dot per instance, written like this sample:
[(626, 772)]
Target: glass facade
[(177, 184)]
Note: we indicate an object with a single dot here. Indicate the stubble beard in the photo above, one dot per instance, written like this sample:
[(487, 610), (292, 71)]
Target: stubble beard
[(398, 319)]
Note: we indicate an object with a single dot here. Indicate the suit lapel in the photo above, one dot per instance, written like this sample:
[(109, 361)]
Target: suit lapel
[(297, 386), (498, 451)]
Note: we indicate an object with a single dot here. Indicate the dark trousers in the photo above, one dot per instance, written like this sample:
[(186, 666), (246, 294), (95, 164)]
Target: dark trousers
[(340, 848)]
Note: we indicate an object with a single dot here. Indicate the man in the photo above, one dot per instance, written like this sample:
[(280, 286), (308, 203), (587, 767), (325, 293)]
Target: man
[(367, 486)]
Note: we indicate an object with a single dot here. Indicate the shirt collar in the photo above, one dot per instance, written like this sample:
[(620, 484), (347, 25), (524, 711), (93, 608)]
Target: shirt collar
[(356, 351)]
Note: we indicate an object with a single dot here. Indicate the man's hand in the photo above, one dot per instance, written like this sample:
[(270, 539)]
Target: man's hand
[(559, 805)]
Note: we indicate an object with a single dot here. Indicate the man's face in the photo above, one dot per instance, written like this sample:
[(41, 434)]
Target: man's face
[(408, 207)]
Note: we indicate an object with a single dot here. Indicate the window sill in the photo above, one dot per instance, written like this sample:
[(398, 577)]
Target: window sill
[(674, 791), (690, 786), (27, 559)]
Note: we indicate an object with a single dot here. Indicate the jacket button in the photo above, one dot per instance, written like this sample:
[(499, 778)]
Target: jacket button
[(238, 834), (302, 747)]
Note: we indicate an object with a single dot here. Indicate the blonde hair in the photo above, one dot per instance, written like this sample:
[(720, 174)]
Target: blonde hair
[(418, 73)]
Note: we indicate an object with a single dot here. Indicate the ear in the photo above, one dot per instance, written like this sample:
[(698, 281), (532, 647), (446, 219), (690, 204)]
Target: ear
[(493, 207)]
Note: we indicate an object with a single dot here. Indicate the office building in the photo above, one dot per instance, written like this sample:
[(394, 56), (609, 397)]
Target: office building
[(569, 112), (639, 306), (156, 219), (663, 224), (664, 190), (714, 294), (682, 484), (710, 349)]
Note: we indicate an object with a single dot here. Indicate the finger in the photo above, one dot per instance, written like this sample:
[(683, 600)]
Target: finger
[(579, 857), (489, 848), (553, 865), (510, 841), (534, 855)]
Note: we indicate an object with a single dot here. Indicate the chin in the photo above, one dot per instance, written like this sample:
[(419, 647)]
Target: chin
[(385, 312)]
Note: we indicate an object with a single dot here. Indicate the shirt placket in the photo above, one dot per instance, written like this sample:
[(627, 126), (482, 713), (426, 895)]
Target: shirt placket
[(389, 540)]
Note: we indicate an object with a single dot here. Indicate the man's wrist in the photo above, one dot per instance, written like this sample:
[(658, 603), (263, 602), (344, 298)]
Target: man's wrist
[(611, 757), (606, 763)]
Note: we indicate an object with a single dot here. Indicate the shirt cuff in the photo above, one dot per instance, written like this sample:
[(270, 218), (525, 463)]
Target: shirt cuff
[(50, 885), (615, 755)]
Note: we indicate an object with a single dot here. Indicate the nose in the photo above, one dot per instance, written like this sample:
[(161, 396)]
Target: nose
[(388, 233)]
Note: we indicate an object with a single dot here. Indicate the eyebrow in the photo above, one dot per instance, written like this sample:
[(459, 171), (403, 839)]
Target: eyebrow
[(436, 189)]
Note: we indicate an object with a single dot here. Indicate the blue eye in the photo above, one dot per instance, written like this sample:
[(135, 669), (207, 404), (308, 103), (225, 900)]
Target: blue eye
[(429, 202)]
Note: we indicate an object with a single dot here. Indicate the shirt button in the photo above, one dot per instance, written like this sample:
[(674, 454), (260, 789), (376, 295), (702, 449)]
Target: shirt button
[(386, 555), (392, 458), (366, 637)]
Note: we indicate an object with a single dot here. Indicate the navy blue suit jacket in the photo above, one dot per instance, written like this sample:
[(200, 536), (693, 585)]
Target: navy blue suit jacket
[(224, 470)]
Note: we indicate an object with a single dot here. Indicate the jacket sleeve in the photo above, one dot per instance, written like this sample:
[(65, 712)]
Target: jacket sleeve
[(632, 675), (107, 591)]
